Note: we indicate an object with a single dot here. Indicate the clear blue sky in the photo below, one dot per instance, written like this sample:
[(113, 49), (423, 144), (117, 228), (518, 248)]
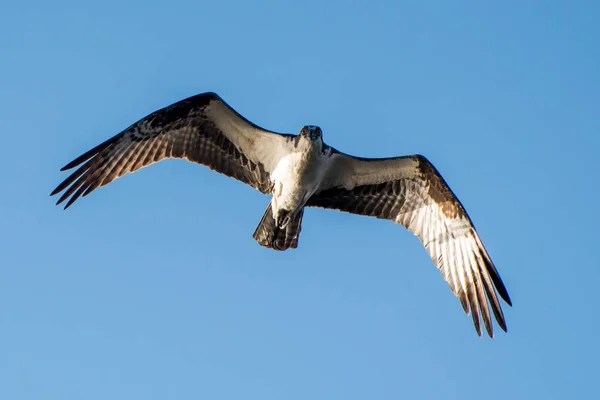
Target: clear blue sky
[(152, 287)]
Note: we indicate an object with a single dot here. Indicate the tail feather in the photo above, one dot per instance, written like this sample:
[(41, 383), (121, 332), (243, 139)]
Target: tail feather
[(268, 234)]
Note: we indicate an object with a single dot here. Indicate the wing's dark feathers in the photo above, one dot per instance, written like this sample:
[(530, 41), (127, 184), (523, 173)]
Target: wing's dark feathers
[(72, 177), (178, 149), (498, 282), (84, 182), (111, 169), (153, 146), (120, 170), (141, 153), (181, 109), (463, 302), (493, 272), (82, 172), (91, 187), (102, 169), (77, 194), (72, 188), (474, 308), (494, 303), (483, 304), (149, 157), (81, 181), (91, 181), (97, 178), (90, 153)]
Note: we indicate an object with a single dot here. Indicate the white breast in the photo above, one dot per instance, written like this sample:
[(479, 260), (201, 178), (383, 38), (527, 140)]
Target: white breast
[(296, 178)]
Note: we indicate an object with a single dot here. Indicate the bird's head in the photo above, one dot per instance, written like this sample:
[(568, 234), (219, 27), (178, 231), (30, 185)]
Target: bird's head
[(312, 132)]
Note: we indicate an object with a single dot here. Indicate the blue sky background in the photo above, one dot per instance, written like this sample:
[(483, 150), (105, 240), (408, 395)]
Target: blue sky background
[(153, 288)]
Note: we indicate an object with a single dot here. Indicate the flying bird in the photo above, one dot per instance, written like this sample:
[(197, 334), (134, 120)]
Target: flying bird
[(300, 170)]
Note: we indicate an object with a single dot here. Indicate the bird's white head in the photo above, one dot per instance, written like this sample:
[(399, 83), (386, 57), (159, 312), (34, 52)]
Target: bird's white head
[(312, 132)]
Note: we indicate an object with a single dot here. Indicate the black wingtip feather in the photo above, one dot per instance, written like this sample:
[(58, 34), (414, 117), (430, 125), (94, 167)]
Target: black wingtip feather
[(463, 302), (76, 195), (79, 160), (71, 178), (472, 297), (89, 154), (491, 268), (77, 179), (498, 282), (493, 299), (62, 198)]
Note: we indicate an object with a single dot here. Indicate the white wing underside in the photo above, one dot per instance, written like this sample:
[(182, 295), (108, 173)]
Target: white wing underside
[(257, 144)]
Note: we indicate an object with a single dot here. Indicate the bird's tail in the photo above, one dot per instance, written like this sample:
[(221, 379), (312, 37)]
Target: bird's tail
[(268, 234)]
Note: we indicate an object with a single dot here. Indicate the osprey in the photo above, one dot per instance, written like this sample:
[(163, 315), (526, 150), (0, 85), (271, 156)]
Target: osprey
[(300, 171)]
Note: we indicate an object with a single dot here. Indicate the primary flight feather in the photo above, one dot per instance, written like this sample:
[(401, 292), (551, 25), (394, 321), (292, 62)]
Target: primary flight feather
[(301, 170)]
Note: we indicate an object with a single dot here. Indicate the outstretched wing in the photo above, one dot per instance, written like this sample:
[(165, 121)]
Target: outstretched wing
[(410, 191), (202, 128)]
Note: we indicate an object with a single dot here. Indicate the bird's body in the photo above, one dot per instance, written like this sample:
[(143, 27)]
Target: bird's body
[(297, 177), (302, 171)]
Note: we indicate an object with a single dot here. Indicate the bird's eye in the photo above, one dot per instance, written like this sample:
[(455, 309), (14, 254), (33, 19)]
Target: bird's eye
[(319, 132), (303, 131)]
